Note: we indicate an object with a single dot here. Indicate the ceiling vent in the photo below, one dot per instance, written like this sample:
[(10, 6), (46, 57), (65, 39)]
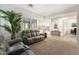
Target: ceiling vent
[(30, 5)]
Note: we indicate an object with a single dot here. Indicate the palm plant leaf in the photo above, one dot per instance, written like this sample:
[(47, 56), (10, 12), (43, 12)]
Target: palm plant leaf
[(6, 27), (5, 17), (3, 11), (11, 16), (17, 20)]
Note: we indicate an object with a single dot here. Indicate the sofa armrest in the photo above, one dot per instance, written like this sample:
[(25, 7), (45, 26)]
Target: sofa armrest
[(25, 41), (44, 34)]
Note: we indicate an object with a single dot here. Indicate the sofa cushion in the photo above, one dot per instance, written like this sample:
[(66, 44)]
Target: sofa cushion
[(31, 40), (16, 49), (37, 38), (37, 32), (33, 33), (26, 33)]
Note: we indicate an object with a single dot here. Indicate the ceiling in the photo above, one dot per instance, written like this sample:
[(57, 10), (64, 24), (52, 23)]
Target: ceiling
[(46, 9)]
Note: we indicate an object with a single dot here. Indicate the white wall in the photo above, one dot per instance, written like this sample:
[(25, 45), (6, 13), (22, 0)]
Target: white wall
[(78, 27)]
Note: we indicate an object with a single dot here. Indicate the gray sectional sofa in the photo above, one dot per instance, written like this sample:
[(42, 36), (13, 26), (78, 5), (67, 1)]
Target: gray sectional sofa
[(32, 36)]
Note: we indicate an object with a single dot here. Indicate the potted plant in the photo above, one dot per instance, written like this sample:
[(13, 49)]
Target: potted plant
[(14, 20)]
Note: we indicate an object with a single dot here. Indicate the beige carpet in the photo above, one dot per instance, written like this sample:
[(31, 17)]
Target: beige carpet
[(56, 45)]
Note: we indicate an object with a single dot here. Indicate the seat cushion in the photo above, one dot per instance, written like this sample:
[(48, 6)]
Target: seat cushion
[(31, 40), (41, 37), (38, 38)]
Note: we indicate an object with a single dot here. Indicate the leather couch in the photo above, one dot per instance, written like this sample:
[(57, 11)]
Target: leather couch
[(32, 36), (17, 47)]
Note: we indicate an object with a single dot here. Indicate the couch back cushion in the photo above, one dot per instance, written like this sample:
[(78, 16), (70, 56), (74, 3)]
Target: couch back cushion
[(33, 33), (37, 32), (26, 33)]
